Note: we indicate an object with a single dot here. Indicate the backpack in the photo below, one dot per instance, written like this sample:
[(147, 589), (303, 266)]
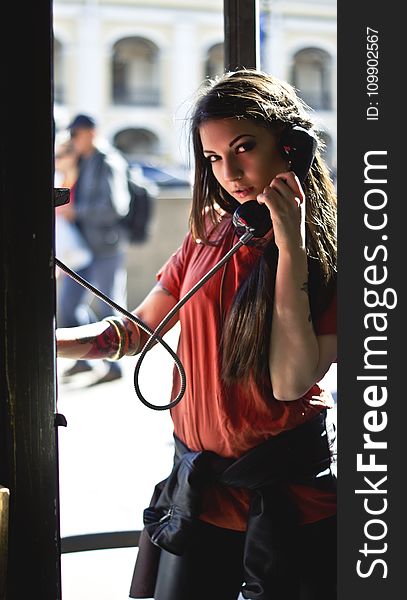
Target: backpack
[(137, 220)]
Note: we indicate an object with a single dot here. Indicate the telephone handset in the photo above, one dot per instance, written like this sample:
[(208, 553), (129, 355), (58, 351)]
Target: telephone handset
[(298, 146)]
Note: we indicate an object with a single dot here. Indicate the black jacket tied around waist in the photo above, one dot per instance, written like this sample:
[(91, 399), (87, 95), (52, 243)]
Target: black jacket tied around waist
[(304, 455)]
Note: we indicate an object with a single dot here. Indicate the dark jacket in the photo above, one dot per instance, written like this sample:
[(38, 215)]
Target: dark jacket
[(303, 455), (101, 193)]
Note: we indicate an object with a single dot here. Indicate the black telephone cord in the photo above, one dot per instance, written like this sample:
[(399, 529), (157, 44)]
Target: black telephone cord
[(154, 334)]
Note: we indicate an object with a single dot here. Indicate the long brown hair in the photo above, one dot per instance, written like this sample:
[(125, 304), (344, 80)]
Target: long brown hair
[(268, 101)]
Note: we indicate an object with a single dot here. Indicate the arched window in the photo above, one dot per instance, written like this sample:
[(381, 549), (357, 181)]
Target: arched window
[(214, 64), (136, 78), (59, 93), (137, 144), (312, 77)]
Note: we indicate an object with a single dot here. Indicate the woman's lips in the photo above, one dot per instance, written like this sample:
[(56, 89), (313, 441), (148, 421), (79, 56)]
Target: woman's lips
[(243, 192)]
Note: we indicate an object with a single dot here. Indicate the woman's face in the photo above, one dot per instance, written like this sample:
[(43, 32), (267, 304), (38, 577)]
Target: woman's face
[(244, 156)]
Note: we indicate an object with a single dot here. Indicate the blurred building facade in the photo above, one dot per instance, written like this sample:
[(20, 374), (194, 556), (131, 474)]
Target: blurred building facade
[(135, 65)]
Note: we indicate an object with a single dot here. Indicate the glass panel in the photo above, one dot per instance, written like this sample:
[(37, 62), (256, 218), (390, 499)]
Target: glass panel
[(135, 66), (114, 449), (286, 29)]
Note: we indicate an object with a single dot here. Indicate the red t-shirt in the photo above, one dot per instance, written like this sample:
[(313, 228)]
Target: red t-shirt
[(229, 421)]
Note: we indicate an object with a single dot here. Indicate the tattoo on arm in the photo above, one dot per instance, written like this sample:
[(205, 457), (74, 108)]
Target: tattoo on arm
[(134, 336), (103, 345), (86, 340)]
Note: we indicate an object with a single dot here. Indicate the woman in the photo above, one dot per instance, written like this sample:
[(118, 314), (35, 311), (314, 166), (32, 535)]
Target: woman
[(255, 341)]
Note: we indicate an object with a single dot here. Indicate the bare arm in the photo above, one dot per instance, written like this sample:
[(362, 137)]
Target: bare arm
[(101, 340), (297, 358)]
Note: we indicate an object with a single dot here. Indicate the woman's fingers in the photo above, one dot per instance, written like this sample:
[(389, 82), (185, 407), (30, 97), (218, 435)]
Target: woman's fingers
[(285, 200), (292, 181), (284, 186)]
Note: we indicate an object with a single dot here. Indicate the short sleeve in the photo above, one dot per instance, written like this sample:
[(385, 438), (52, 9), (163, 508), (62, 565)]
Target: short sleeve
[(326, 324), (171, 274)]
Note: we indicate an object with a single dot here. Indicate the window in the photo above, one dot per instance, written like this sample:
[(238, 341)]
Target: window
[(312, 77), (136, 72), (137, 144)]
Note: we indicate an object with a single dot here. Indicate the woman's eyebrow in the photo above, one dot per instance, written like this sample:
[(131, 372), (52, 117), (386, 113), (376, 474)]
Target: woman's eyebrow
[(236, 139)]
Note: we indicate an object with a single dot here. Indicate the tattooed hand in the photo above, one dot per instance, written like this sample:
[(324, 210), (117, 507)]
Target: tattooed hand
[(97, 340)]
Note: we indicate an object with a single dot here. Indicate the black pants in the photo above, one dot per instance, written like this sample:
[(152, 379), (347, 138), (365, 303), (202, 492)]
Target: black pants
[(212, 567)]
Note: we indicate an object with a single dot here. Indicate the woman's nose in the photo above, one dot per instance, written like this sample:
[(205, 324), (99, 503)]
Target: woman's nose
[(231, 170)]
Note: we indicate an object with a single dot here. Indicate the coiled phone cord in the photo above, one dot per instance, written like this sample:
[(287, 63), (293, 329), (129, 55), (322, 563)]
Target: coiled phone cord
[(154, 334), (129, 316)]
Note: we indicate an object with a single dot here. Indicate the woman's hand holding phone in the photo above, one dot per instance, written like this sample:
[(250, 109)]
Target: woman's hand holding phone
[(285, 199)]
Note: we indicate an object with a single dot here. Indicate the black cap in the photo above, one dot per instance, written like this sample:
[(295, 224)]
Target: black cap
[(82, 122)]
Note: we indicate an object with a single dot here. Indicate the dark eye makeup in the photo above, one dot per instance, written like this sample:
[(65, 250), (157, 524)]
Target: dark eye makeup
[(246, 146), (239, 149)]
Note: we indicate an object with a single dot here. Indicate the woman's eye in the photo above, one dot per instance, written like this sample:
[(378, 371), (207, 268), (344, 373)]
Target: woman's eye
[(247, 146), (212, 158)]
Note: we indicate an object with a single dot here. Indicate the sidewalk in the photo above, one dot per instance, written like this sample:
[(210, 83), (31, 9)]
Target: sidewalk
[(111, 454)]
